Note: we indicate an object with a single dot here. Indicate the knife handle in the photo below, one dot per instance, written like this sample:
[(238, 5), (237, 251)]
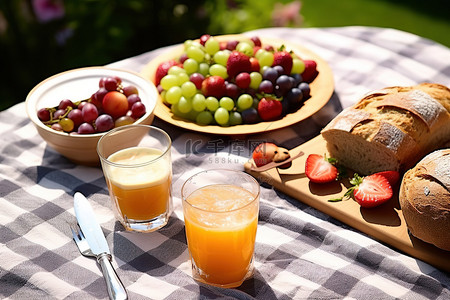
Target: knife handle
[(116, 290)]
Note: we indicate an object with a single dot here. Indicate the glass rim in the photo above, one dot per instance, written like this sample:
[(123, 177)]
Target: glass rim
[(104, 159), (255, 197)]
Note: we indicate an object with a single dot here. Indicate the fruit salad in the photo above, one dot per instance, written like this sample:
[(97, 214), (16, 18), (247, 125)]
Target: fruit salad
[(233, 82), (112, 105)]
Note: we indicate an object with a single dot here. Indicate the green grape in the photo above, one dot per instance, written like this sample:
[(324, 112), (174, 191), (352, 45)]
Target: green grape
[(176, 111), (175, 70), (204, 118), (255, 80), (263, 69), (190, 65), (298, 66), (187, 44), (184, 105), (266, 59), (188, 89), (182, 78), (218, 70), (212, 104), (163, 96), (221, 116), (192, 115), (173, 95), (244, 101), (259, 52), (227, 103), (203, 68), (169, 81), (195, 53), (199, 102), (221, 57), (66, 124), (212, 46), (245, 48), (235, 118)]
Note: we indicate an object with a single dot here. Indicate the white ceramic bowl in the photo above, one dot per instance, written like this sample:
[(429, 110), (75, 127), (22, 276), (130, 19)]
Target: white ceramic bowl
[(79, 84)]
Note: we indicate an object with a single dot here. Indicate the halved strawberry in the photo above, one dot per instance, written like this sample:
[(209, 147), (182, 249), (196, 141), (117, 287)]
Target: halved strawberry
[(391, 176), (319, 170), (372, 190)]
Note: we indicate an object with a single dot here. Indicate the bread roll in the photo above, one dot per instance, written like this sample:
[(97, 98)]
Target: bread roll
[(390, 129), (425, 199)]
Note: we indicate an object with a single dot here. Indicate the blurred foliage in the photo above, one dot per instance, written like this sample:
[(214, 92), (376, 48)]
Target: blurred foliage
[(39, 38)]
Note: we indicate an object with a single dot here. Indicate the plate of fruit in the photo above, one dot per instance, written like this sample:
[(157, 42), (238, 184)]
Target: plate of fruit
[(236, 85)]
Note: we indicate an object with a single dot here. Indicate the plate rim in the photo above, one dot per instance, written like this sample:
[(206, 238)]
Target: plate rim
[(313, 104)]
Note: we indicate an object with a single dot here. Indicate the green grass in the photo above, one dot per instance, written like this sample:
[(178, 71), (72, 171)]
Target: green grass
[(425, 18)]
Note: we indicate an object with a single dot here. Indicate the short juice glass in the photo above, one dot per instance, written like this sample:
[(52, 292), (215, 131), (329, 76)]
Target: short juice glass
[(221, 216), (137, 166)]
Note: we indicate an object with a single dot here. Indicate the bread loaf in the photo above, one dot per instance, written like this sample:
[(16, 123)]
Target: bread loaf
[(390, 129), (425, 199)]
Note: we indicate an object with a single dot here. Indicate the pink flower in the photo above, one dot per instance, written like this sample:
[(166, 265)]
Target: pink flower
[(48, 10), (288, 14)]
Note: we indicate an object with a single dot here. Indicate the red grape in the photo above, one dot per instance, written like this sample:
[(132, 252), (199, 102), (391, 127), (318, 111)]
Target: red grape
[(65, 104), (197, 79), (97, 97), (130, 90), (138, 110), (243, 80), (115, 104), (86, 128), (59, 113), (43, 114), (111, 83), (56, 127), (104, 123), (76, 116), (82, 103), (132, 99), (89, 112)]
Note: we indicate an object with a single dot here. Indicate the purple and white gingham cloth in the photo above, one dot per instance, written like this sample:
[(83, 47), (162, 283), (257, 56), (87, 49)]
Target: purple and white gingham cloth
[(300, 252)]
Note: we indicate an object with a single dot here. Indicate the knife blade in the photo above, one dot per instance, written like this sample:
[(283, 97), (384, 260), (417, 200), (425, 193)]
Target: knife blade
[(97, 242)]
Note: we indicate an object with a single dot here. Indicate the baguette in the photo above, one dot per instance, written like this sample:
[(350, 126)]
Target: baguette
[(390, 129), (425, 199)]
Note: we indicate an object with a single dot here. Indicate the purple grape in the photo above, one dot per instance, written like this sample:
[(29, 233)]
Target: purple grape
[(85, 128), (297, 78), (65, 104), (59, 113), (270, 74), (266, 87), (294, 96), (132, 99), (104, 123), (76, 116), (43, 114), (284, 84), (232, 90), (306, 90), (89, 112), (250, 116), (279, 69), (138, 110)]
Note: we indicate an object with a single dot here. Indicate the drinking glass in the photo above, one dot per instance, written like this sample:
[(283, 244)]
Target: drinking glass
[(221, 215), (137, 166)]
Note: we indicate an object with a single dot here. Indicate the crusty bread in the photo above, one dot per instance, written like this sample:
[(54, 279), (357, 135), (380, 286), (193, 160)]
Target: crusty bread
[(425, 199), (390, 129)]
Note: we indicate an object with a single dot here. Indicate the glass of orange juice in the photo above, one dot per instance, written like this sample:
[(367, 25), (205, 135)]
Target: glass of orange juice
[(137, 166), (220, 210)]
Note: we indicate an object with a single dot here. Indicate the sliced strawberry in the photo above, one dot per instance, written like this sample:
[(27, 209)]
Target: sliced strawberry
[(320, 170), (391, 176), (372, 190)]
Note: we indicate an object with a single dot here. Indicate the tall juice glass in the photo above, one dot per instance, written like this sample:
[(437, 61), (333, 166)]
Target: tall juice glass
[(221, 216), (137, 167)]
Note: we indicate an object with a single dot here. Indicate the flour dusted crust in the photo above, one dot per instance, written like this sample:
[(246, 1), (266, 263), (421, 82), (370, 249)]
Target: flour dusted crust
[(391, 128), (425, 199)]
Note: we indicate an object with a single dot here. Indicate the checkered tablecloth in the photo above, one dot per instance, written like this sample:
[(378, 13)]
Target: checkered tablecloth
[(300, 252)]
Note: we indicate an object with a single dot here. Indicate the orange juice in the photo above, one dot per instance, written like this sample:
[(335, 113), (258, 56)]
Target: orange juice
[(141, 192), (221, 223)]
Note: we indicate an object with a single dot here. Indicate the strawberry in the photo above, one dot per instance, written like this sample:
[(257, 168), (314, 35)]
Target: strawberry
[(238, 62), (213, 86), (319, 169), (163, 68), (269, 109), (371, 191), (284, 59), (391, 176), (310, 72)]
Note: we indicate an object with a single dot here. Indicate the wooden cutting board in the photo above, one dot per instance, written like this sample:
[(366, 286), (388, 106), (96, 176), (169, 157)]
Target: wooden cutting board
[(384, 223)]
